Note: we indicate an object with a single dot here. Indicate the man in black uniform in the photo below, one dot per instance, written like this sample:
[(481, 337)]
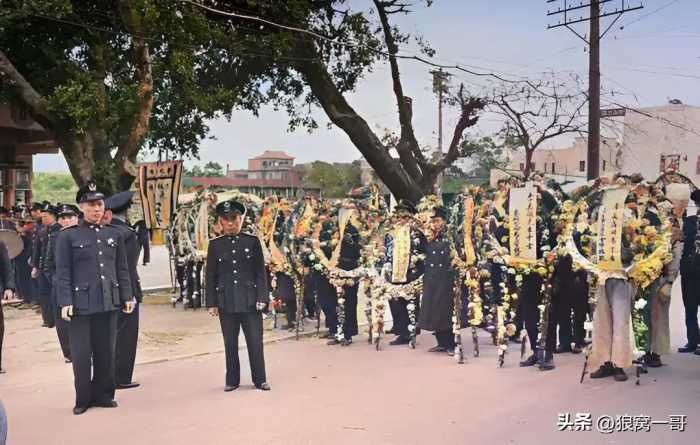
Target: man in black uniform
[(437, 306), (93, 284), (237, 293), (41, 269), (67, 217), (690, 278), (116, 207), (406, 269), (7, 284)]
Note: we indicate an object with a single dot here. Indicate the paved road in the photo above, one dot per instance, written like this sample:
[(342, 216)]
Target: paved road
[(336, 395)]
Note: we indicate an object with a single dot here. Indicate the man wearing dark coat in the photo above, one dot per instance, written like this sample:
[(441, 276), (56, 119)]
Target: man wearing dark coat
[(116, 207), (349, 259), (7, 285), (40, 262), (26, 285), (690, 275), (403, 263), (93, 284), (237, 293), (437, 305)]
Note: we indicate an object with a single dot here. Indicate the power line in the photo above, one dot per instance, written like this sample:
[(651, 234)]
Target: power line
[(315, 35), (642, 17)]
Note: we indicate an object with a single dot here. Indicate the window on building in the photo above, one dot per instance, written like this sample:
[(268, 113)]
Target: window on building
[(605, 165), (554, 170), (697, 166), (545, 167), (662, 164), (522, 165), (582, 166)]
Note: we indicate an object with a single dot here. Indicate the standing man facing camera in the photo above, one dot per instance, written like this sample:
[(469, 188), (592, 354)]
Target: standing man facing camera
[(237, 293), (93, 284)]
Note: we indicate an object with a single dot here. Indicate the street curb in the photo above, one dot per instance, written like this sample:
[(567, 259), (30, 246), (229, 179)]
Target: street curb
[(218, 351)]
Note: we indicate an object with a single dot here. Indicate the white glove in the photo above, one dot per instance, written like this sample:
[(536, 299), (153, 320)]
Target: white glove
[(129, 306), (259, 306), (67, 312)]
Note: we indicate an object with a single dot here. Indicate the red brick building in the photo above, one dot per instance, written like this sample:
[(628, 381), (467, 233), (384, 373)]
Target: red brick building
[(271, 173)]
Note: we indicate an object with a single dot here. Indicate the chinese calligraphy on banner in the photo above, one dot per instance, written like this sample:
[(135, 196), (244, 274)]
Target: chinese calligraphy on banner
[(610, 221), (522, 212), (159, 189)]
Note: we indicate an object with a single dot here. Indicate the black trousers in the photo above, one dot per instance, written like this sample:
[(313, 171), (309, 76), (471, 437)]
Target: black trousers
[(690, 287), (231, 324), (350, 307), (530, 313), (446, 339), (328, 300), (2, 332), (47, 312), (127, 340), (62, 328), (399, 313), (92, 344), (580, 307), (310, 294)]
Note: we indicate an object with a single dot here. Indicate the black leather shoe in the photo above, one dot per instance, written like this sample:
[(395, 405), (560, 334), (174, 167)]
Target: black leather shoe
[(688, 348), (346, 342), (606, 370), (78, 410), (128, 385), (106, 404), (67, 360), (619, 374), (437, 349), (530, 361), (652, 360), (576, 349), (547, 365), (333, 342), (229, 388), (561, 349), (450, 351), (263, 386), (399, 341)]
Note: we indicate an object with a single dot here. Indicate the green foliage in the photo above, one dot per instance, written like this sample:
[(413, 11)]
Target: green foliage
[(54, 187), (210, 169), (335, 180)]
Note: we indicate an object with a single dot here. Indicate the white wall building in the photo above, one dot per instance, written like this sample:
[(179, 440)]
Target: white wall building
[(652, 140)]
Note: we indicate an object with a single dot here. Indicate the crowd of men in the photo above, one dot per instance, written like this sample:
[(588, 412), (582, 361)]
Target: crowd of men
[(78, 267)]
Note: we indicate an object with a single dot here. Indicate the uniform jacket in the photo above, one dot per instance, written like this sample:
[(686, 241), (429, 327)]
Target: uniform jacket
[(7, 279), (132, 255), (47, 262), (92, 272), (235, 274), (437, 305)]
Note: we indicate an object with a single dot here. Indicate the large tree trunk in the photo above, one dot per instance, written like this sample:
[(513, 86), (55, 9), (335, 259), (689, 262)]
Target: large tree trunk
[(88, 156), (388, 169)]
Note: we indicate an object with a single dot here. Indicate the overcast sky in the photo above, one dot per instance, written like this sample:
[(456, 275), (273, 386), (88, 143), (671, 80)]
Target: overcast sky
[(656, 57)]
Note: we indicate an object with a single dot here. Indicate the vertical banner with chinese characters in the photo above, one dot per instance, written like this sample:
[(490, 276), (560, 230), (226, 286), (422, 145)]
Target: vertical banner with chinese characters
[(610, 221), (468, 228), (522, 213), (159, 188)]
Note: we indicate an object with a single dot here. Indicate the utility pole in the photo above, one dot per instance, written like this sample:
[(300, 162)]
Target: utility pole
[(440, 87), (567, 18)]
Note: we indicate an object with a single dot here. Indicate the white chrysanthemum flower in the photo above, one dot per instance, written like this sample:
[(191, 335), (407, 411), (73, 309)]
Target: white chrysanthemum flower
[(640, 304)]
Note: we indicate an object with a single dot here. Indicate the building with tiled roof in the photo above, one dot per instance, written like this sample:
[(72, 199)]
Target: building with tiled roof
[(271, 173)]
